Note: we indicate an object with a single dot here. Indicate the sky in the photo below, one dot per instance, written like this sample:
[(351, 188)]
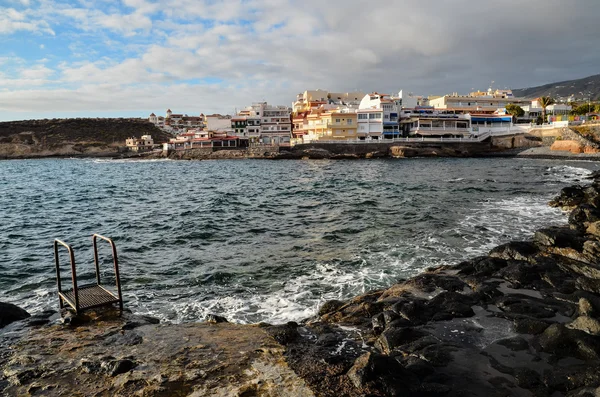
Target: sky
[(128, 58)]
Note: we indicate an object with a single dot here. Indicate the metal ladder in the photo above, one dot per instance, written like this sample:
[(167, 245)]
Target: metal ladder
[(87, 296)]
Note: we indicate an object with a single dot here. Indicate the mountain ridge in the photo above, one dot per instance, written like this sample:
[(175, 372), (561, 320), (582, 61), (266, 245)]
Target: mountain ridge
[(578, 89)]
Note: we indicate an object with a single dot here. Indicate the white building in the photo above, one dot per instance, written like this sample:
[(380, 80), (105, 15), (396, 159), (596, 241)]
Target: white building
[(378, 116), (271, 125), (479, 101), (275, 125), (218, 123), (145, 143), (315, 98), (535, 109), (175, 122)]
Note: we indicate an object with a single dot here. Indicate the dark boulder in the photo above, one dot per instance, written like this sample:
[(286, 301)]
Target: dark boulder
[(10, 313), (215, 319), (564, 342), (519, 250), (569, 197), (482, 266), (448, 305), (516, 343), (116, 367), (284, 334), (330, 306), (380, 375), (519, 273), (523, 305), (592, 195), (583, 214), (394, 337), (559, 237), (531, 326), (411, 310)]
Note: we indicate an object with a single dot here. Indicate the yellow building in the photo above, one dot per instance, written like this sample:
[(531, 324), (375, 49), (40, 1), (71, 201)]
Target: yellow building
[(339, 125)]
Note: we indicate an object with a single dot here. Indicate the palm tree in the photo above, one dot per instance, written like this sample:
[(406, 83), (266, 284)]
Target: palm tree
[(544, 102)]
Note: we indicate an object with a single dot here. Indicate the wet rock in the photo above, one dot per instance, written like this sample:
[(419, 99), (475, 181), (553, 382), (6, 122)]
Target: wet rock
[(559, 237), (585, 307), (284, 334), (586, 324), (482, 266), (378, 323), (591, 248), (330, 306), (418, 366), (519, 250), (377, 372), (448, 305), (564, 379), (41, 318), (116, 367), (524, 305), (328, 340), (526, 325), (140, 321), (215, 319), (588, 284), (129, 338), (429, 282), (527, 377), (594, 229), (585, 269), (394, 337), (564, 342), (569, 197), (515, 344), (411, 310), (438, 354), (10, 313), (582, 215), (519, 273), (592, 195)]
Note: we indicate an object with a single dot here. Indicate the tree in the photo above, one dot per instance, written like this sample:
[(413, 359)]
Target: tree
[(582, 109), (515, 110), (544, 102)]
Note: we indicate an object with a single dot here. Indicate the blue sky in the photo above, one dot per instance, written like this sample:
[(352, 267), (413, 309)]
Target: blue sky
[(102, 58)]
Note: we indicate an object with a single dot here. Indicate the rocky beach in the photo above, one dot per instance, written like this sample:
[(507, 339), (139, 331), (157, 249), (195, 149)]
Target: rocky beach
[(522, 320)]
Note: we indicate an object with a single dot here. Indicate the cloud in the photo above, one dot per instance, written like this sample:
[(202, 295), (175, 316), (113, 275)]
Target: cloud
[(206, 55), (13, 21)]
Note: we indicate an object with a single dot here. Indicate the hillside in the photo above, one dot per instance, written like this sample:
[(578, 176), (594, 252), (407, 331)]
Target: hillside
[(588, 87), (72, 137)]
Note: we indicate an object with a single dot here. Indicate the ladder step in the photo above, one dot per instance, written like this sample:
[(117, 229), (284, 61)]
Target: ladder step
[(90, 296)]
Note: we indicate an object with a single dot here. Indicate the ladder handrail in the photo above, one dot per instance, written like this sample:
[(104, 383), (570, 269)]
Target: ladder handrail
[(73, 272), (115, 261)]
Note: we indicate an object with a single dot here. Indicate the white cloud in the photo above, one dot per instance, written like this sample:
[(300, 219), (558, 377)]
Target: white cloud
[(38, 72), (143, 55)]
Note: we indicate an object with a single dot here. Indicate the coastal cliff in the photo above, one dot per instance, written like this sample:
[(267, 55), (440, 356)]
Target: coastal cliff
[(520, 321), (72, 137)]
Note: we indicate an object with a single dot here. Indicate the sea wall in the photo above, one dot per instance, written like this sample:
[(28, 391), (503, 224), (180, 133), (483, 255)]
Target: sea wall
[(523, 320)]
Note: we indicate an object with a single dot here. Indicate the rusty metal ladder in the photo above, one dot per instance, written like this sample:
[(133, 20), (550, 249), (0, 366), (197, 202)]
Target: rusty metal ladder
[(87, 296)]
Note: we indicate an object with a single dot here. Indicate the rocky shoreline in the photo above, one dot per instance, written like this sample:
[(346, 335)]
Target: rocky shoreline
[(520, 321)]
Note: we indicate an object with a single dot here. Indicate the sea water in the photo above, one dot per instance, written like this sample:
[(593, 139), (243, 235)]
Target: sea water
[(260, 240)]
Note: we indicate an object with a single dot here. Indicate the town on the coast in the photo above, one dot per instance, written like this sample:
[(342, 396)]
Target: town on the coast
[(353, 117)]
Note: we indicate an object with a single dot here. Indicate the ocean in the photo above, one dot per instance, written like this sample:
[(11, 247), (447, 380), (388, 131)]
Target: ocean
[(261, 240)]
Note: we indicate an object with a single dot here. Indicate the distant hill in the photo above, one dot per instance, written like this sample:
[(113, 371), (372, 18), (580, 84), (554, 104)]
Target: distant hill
[(588, 87), (72, 137)]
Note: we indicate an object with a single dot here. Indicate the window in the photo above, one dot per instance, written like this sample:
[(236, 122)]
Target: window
[(349, 121), (363, 116), (373, 116), (338, 121)]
